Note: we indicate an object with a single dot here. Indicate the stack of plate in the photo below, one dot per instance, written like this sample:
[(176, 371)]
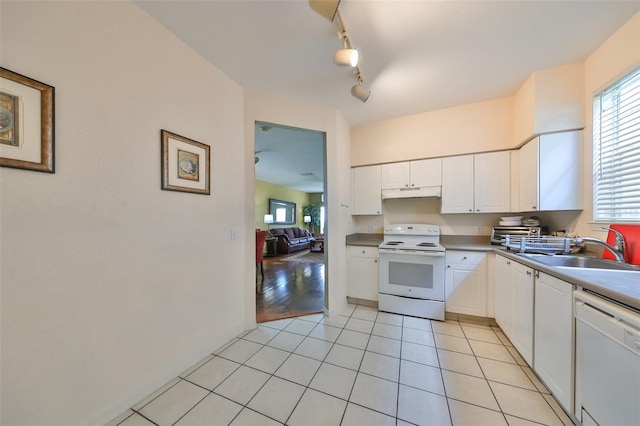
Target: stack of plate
[(510, 221), (531, 222)]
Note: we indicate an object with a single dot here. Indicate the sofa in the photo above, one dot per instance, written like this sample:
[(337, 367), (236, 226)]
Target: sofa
[(292, 239)]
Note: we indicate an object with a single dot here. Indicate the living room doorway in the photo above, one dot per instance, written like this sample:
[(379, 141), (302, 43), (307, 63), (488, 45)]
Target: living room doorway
[(290, 173)]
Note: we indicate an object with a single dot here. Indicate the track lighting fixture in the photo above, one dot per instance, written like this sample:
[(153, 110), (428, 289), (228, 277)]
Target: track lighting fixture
[(358, 91), (347, 56)]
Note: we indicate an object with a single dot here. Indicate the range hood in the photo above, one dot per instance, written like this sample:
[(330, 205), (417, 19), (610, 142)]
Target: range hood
[(423, 192)]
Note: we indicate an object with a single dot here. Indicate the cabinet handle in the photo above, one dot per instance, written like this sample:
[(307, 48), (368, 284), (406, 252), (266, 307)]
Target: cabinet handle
[(464, 258), (448, 266), (375, 261), (508, 262), (533, 207), (537, 274), (477, 210), (528, 272), (471, 210)]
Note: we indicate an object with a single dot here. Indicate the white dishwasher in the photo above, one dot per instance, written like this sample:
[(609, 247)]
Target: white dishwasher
[(607, 362)]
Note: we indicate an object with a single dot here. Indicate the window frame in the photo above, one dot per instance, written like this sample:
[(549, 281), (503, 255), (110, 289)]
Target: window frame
[(610, 91)]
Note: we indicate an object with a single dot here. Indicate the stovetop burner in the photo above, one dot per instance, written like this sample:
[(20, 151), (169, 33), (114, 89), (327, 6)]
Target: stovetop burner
[(426, 245), (411, 238)]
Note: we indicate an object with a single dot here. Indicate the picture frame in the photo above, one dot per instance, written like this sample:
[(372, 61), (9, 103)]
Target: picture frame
[(26, 123), (186, 164), (284, 212)]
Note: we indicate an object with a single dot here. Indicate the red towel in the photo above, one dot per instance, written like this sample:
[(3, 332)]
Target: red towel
[(632, 242)]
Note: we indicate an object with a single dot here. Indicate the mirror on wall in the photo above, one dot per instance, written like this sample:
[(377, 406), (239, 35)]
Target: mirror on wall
[(284, 212)]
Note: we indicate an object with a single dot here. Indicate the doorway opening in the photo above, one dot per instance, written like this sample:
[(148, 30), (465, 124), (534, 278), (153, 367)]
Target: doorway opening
[(290, 170)]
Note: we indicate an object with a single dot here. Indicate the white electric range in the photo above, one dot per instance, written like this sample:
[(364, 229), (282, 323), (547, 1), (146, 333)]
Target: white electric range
[(412, 271)]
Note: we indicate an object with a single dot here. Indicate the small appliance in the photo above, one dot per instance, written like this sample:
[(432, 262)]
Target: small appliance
[(499, 233)]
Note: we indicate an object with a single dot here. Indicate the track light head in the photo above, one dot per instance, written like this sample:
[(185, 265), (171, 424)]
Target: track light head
[(359, 92), (346, 57)]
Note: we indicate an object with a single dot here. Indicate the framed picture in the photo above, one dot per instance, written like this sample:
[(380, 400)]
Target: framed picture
[(26, 123), (185, 164)]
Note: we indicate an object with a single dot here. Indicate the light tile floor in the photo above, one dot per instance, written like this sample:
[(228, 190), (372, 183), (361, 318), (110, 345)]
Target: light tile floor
[(361, 368)]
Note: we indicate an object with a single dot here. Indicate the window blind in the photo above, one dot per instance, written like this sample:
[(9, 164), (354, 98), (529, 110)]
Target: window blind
[(616, 152)]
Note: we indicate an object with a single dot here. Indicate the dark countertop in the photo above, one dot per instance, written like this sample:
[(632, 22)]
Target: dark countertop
[(621, 286), (367, 240)]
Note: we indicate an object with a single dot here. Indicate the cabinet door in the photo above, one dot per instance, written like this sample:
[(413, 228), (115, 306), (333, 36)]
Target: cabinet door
[(554, 337), (560, 171), (396, 175), (492, 182), (504, 295), (466, 283), (426, 172), (457, 184), (522, 338), (366, 195), (363, 276), (529, 176)]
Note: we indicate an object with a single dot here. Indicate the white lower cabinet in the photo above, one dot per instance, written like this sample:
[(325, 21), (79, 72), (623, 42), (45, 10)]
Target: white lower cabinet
[(554, 337), (504, 294), (514, 291), (466, 283), (363, 272), (535, 311), (522, 338)]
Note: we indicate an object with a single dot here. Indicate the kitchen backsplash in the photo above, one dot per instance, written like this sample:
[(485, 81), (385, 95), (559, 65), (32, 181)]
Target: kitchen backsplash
[(427, 210)]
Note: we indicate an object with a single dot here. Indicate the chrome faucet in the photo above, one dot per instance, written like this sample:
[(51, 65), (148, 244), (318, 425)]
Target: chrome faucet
[(617, 250)]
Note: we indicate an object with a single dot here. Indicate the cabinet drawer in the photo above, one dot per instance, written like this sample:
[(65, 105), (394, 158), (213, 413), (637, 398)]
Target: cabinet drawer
[(362, 251), (471, 258)]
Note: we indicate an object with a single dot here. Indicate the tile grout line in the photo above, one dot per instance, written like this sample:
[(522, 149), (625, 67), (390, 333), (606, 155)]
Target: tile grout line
[(320, 366), (333, 343)]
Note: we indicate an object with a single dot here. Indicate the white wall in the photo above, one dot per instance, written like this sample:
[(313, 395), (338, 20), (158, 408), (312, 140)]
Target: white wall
[(111, 286), (271, 109), (618, 56), (483, 126)]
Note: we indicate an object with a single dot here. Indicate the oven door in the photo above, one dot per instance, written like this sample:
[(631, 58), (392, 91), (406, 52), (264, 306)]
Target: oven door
[(410, 274)]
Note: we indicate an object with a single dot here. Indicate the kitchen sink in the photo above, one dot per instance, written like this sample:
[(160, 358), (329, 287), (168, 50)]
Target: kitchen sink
[(573, 261)]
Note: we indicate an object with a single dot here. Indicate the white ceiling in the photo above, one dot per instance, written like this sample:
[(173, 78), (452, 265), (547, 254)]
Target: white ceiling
[(416, 56), (290, 157)]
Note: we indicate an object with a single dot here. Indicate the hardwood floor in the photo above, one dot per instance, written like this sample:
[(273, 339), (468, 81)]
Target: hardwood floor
[(290, 288)]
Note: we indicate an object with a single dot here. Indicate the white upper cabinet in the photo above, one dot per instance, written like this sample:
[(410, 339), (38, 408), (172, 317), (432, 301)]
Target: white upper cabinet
[(396, 175), (366, 196), (479, 183), (550, 173), (492, 178), (426, 172), (457, 184), (412, 174)]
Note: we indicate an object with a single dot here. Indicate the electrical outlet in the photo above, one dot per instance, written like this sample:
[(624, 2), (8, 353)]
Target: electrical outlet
[(370, 228), (234, 234), (480, 230)]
